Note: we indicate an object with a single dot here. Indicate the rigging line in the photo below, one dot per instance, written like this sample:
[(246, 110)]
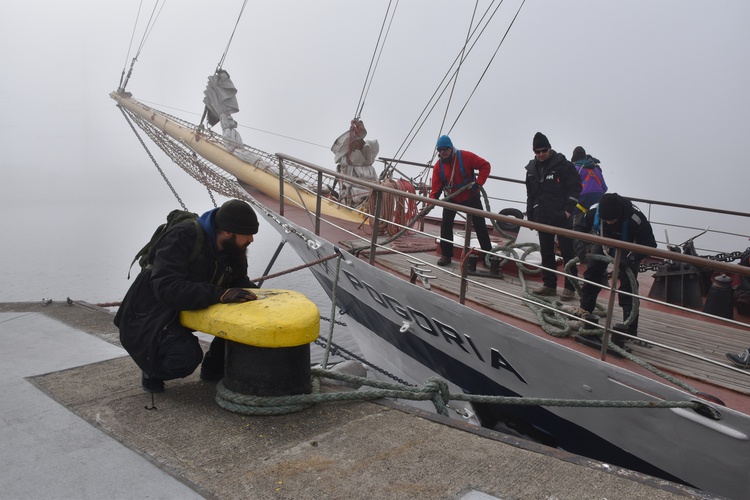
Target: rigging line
[(284, 136), (380, 53), (239, 125), (132, 37), (149, 26), (371, 69), (488, 64), (221, 61), (423, 117), (458, 69)]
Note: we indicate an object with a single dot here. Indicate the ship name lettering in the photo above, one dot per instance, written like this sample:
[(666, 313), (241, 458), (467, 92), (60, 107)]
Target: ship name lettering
[(431, 326)]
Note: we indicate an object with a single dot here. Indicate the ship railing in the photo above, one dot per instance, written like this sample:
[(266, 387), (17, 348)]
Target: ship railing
[(379, 191), (662, 216)]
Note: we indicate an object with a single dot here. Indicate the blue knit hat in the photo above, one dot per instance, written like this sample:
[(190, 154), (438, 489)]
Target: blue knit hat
[(444, 142)]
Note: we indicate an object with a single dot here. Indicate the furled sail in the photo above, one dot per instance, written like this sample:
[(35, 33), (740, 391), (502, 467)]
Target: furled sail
[(354, 156), (221, 102), (220, 97)]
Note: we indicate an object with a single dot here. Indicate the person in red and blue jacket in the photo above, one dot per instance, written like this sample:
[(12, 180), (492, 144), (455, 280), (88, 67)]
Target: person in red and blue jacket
[(453, 170)]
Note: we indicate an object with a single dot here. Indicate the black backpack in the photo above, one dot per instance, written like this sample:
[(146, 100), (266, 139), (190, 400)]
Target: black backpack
[(175, 217)]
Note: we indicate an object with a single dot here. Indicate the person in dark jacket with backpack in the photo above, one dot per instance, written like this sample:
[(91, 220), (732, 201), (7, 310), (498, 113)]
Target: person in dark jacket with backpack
[(552, 189), (614, 217), (179, 278), (453, 170)]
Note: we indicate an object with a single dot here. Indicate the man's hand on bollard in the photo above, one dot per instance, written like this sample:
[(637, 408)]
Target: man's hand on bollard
[(237, 295)]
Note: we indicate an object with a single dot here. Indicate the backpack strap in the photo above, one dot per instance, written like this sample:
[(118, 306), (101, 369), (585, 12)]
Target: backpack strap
[(598, 224), (589, 174), (200, 234), (143, 252), (160, 231), (461, 169)]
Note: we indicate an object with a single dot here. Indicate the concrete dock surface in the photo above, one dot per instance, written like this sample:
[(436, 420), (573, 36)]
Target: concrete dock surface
[(76, 424)]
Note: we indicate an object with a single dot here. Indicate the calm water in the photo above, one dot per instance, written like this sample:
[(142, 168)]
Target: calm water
[(82, 250)]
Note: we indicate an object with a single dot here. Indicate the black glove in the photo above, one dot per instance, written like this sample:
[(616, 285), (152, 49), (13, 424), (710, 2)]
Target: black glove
[(237, 295), (581, 250)]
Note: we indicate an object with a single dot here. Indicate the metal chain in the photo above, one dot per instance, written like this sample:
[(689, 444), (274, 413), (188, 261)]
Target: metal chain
[(337, 350), (153, 159), (335, 321), (720, 257), (724, 257)]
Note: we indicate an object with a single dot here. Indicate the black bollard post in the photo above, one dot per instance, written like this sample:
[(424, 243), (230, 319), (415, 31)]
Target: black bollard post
[(719, 300)]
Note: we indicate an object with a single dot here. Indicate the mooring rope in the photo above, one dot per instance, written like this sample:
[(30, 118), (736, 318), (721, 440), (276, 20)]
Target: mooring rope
[(557, 325), (434, 389)]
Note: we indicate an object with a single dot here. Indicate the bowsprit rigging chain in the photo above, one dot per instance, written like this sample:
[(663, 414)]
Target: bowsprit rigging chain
[(156, 164)]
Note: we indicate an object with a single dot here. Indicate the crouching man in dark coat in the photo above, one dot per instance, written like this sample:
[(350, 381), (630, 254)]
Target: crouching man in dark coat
[(176, 279), (617, 218)]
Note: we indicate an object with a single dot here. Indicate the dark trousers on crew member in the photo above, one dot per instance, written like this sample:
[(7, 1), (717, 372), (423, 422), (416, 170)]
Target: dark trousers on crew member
[(178, 355), (480, 227), (595, 270), (547, 249)]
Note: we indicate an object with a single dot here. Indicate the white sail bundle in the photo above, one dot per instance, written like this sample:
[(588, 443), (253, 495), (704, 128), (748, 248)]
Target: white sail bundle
[(221, 102), (354, 156)]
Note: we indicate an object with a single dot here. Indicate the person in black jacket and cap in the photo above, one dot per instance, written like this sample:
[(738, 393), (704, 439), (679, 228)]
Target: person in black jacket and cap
[(552, 188), (614, 217), (176, 280)]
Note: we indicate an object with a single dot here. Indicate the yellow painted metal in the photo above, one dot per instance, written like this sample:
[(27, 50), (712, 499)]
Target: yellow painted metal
[(278, 318)]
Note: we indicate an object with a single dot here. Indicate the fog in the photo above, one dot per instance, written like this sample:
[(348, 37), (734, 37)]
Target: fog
[(656, 90)]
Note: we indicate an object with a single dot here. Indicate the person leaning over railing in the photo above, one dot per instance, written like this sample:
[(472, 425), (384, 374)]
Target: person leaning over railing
[(613, 217)]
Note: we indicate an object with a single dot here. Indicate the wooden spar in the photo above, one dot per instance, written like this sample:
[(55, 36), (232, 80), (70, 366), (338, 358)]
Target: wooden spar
[(263, 181)]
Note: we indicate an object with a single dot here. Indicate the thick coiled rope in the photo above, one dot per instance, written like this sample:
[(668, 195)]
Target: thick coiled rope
[(435, 390)]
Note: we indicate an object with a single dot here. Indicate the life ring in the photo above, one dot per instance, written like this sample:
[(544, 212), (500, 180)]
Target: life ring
[(509, 226)]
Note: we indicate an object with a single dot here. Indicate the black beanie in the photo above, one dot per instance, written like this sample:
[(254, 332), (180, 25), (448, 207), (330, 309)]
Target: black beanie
[(610, 207), (578, 154), (236, 216), (540, 141)]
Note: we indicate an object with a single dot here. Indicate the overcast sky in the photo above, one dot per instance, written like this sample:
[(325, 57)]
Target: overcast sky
[(656, 89)]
